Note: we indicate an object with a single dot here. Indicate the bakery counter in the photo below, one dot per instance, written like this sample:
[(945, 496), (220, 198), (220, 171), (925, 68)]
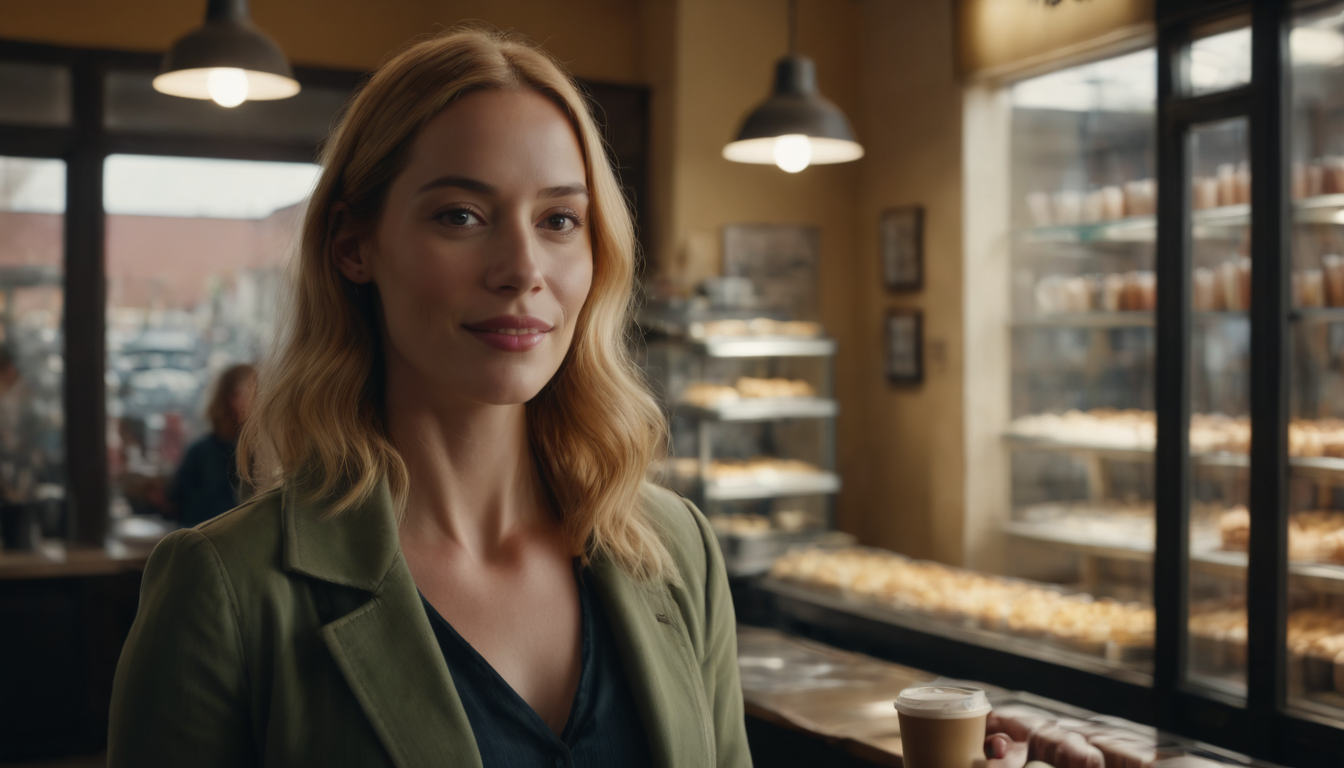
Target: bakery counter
[(56, 559), (845, 700), (127, 550)]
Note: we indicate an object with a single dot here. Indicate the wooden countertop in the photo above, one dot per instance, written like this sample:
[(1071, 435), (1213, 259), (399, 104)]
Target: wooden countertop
[(57, 559), (845, 699)]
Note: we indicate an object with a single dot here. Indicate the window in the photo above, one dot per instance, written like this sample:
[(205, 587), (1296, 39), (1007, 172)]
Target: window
[(195, 252), (32, 222)]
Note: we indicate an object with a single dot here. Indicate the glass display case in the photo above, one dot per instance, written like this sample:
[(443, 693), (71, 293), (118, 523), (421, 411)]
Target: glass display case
[(1151, 552), (1083, 292), (751, 414), (1315, 628)]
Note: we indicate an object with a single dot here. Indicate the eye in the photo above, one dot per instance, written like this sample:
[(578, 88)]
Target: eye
[(459, 217), (561, 222)]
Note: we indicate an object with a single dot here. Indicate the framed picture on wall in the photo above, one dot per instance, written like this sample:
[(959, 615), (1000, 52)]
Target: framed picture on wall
[(902, 248), (904, 339)]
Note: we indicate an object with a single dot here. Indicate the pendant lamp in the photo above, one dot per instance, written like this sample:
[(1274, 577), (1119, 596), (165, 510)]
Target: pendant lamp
[(797, 126), (227, 60)]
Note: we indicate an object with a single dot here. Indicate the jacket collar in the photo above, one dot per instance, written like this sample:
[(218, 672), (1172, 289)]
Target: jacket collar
[(356, 548), (388, 654)]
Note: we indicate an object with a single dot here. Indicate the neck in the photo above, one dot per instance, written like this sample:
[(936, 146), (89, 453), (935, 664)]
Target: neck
[(473, 484)]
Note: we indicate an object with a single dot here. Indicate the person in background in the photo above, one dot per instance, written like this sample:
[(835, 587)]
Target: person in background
[(20, 461), (206, 483)]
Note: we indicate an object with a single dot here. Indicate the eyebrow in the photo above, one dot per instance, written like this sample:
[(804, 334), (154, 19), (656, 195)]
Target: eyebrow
[(474, 185)]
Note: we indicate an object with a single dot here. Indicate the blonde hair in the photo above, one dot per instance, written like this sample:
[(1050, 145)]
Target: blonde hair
[(318, 423)]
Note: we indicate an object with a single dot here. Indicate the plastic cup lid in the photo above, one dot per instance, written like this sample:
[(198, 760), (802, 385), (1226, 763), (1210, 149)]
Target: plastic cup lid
[(940, 702)]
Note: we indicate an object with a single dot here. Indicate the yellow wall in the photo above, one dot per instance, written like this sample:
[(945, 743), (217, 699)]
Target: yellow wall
[(910, 479), (598, 39)]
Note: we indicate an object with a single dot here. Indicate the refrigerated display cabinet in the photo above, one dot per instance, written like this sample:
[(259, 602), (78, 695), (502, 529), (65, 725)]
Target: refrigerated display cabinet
[(1173, 434)]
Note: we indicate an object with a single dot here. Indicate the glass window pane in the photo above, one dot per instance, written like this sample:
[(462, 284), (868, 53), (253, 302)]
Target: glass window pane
[(1315, 634), (1220, 429), (32, 439), (1219, 61), (195, 253), (1079, 512), (134, 106), (34, 94)]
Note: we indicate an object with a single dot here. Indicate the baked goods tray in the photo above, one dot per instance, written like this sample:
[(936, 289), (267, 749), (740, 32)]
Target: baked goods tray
[(763, 409), (782, 484), (1322, 577), (765, 346), (1119, 662)]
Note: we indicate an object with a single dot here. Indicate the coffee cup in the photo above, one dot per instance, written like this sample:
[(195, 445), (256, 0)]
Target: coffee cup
[(942, 726)]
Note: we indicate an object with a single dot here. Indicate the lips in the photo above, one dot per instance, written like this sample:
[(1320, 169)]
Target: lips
[(510, 333)]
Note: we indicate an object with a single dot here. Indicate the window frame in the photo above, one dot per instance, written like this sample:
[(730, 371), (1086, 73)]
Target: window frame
[(84, 144)]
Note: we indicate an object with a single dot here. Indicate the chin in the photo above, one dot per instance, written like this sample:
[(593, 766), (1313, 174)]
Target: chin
[(508, 392)]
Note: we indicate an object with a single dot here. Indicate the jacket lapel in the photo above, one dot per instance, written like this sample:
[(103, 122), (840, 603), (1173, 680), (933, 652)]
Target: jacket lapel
[(660, 668), (385, 648)]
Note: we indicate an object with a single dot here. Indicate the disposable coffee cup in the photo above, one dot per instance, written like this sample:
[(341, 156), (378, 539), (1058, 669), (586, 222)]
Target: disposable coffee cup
[(942, 726)]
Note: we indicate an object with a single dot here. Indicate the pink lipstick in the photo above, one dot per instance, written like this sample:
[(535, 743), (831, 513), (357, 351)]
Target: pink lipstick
[(510, 333)]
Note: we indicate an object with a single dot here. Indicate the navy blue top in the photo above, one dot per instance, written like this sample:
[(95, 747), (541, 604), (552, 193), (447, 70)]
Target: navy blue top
[(206, 481), (604, 729)]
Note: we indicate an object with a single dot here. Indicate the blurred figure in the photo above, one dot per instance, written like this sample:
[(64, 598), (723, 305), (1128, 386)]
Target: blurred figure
[(19, 459), (206, 483)]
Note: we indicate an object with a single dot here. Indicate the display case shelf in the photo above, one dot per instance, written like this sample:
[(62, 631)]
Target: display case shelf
[(1322, 467), (763, 409), (1322, 577), (1321, 209), (820, 483), (1146, 320), (1086, 320), (1317, 315), (765, 346)]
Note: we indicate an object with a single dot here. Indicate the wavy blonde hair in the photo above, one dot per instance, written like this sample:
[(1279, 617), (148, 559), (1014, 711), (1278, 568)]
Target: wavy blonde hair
[(318, 422)]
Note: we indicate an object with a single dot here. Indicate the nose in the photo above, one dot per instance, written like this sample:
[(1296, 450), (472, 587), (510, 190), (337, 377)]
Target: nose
[(514, 265)]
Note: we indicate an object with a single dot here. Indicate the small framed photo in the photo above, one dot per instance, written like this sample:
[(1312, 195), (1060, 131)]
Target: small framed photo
[(902, 248), (905, 346)]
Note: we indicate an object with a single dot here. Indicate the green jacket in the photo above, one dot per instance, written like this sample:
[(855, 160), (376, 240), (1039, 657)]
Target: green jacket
[(271, 636)]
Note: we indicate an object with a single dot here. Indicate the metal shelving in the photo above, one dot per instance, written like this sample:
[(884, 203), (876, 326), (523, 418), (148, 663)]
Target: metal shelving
[(763, 409), (786, 484), (765, 346)]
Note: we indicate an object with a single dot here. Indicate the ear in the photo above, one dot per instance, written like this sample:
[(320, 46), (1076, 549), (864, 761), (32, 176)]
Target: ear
[(347, 250)]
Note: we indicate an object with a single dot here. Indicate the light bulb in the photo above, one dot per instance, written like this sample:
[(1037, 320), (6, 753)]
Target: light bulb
[(227, 86), (793, 152)]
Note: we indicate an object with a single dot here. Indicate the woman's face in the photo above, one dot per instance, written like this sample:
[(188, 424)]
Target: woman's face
[(482, 257)]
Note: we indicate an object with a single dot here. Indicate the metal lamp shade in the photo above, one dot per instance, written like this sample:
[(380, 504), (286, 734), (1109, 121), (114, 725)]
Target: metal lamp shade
[(795, 108), (226, 40)]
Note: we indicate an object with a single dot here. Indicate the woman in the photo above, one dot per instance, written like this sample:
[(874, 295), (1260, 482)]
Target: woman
[(206, 483), (457, 562)]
